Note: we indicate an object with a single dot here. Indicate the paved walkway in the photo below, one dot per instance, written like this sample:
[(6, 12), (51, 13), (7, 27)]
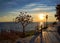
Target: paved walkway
[(48, 36)]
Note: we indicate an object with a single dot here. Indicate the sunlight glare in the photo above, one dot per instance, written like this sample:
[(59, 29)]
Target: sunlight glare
[(41, 16)]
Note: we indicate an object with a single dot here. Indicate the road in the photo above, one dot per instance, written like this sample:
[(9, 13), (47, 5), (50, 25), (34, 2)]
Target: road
[(48, 36)]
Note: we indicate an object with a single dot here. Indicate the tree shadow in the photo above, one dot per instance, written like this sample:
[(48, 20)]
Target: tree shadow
[(34, 37)]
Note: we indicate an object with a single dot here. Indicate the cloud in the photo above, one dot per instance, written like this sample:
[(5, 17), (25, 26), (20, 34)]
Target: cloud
[(30, 5), (33, 7), (8, 5), (6, 18), (12, 8), (43, 9), (36, 7)]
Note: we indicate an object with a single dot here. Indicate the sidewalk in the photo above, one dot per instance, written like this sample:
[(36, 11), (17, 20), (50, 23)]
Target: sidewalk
[(31, 39), (48, 36), (24, 40)]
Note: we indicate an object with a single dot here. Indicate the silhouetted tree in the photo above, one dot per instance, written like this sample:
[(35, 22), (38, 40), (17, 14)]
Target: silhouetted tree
[(58, 12), (58, 30), (58, 16), (54, 23), (24, 19)]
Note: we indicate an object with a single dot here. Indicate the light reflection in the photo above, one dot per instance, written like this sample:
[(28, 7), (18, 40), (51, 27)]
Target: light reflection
[(42, 24), (43, 34)]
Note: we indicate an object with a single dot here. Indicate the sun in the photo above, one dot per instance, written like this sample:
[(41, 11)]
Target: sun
[(41, 16)]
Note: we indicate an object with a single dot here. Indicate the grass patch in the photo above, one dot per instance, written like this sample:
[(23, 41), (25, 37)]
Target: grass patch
[(13, 35), (29, 33)]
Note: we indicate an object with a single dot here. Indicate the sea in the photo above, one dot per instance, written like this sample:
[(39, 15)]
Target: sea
[(7, 26)]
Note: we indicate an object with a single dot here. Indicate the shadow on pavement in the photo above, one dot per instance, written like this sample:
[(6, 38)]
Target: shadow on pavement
[(34, 37)]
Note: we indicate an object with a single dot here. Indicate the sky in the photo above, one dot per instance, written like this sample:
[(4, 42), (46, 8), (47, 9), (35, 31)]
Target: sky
[(9, 9)]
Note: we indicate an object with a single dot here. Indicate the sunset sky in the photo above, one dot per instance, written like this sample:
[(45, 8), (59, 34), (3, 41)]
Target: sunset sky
[(9, 9)]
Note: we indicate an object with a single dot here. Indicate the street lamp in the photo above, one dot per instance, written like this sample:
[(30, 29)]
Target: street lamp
[(44, 27), (46, 20)]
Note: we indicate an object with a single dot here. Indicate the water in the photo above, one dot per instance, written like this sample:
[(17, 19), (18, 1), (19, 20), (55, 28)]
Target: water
[(7, 26)]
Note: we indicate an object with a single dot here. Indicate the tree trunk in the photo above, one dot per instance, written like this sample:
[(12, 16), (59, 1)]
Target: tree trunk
[(23, 31)]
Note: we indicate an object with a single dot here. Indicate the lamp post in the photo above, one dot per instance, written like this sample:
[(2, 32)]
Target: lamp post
[(41, 34), (44, 28), (46, 19)]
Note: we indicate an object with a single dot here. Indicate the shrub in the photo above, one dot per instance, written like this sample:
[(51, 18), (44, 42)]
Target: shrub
[(58, 30)]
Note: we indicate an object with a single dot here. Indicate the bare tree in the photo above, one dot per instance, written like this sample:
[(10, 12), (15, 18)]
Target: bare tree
[(24, 19)]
